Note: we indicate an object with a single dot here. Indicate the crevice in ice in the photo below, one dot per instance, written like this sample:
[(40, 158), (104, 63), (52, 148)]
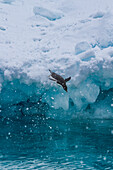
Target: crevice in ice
[(97, 15), (103, 44), (8, 1), (2, 28)]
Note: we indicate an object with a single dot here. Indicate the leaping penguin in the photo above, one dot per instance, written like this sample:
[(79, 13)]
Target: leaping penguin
[(60, 80)]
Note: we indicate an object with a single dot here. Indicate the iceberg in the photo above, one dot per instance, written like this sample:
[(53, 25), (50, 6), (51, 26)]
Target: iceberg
[(31, 44)]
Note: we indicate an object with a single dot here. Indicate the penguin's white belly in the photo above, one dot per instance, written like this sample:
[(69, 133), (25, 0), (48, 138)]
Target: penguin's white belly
[(51, 78)]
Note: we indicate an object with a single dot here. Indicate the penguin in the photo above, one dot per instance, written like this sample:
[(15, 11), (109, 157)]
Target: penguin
[(60, 80)]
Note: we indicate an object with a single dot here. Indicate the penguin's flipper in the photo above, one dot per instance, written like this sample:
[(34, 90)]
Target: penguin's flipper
[(67, 79), (51, 79)]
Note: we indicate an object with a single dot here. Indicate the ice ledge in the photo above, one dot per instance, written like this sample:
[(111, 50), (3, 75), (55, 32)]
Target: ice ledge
[(46, 13)]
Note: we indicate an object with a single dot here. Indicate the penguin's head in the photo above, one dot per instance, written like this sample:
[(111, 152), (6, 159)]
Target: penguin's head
[(65, 88)]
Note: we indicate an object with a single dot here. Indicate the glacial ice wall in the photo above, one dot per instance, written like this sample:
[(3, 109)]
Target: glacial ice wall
[(67, 37)]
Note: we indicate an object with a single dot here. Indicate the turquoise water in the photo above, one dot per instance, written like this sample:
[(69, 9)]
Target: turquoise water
[(32, 142)]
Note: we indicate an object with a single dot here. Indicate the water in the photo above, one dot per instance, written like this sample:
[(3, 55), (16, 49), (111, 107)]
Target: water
[(32, 142)]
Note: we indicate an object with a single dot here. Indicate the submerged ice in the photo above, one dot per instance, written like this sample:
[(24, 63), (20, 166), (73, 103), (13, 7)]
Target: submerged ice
[(76, 43)]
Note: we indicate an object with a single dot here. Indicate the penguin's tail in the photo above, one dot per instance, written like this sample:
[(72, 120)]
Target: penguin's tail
[(69, 78)]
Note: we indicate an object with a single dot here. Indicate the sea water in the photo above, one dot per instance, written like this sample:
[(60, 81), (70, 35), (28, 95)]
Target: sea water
[(32, 142)]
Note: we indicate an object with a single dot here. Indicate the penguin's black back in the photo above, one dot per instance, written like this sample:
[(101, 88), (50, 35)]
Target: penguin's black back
[(57, 77)]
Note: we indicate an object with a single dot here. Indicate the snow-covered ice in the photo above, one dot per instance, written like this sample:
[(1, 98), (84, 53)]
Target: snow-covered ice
[(47, 13), (72, 38)]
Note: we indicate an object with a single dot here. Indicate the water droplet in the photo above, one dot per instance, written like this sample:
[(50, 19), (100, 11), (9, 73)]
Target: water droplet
[(112, 132), (7, 137), (81, 162), (104, 158), (9, 133)]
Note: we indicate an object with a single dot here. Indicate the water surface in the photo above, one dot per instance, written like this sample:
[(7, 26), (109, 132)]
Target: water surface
[(32, 142)]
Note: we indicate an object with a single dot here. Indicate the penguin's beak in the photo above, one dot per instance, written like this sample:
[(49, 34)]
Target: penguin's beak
[(66, 90)]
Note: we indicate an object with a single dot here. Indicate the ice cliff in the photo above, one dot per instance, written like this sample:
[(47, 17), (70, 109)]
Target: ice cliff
[(70, 38)]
